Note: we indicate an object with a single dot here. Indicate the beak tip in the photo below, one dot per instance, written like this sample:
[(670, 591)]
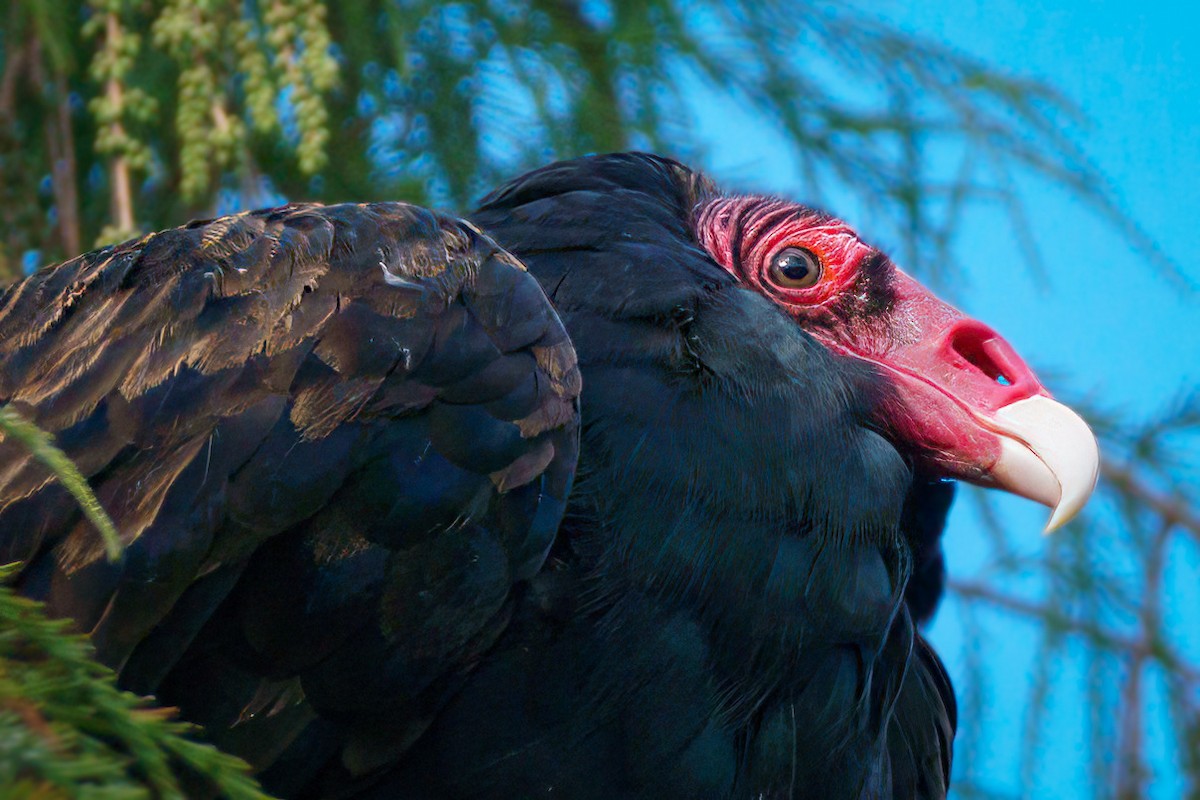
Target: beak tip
[(1058, 518), (1071, 504), (1066, 452)]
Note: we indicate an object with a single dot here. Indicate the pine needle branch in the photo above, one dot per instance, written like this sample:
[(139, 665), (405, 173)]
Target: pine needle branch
[(40, 444), (66, 730)]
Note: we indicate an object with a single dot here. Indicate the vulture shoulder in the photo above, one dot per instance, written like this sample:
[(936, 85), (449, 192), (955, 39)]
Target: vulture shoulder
[(333, 440)]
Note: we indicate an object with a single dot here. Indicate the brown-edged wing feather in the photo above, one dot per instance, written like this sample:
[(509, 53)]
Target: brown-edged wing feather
[(332, 438)]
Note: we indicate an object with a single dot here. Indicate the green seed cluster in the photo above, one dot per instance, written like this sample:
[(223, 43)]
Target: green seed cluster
[(120, 106), (236, 64), (299, 38)]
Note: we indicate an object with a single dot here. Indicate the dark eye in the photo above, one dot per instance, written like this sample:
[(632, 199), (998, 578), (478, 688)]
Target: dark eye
[(795, 268)]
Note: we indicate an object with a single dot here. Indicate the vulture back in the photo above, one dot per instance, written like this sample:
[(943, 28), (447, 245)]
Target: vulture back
[(332, 439)]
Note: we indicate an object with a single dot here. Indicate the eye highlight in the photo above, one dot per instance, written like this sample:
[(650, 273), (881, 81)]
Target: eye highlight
[(795, 268)]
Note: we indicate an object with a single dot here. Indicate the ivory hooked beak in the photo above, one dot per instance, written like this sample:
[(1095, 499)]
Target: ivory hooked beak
[(1048, 454)]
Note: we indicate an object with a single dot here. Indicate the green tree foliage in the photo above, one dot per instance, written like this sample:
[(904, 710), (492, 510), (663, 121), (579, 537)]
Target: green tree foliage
[(141, 113), (66, 731), (119, 116), (14, 426)]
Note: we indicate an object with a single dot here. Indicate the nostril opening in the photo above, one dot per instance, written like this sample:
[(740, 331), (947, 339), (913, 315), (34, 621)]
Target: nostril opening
[(983, 366), (971, 343)]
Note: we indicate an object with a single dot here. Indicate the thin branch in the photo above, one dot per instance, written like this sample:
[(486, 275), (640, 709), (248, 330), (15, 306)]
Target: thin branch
[(122, 192), (13, 64), (1131, 771), (60, 144), (69, 199), (1172, 510), (1098, 635)]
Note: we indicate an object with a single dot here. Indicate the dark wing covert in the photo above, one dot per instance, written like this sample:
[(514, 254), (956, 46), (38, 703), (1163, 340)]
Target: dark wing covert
[(334, 439)]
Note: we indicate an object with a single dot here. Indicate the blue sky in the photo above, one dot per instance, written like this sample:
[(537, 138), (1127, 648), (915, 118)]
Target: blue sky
[(1112, 329)]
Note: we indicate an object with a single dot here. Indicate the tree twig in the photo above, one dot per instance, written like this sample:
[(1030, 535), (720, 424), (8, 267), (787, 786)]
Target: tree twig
[(122, 193), (1173, 510), (1131, 771), (68, 197), (1097, 634), (13, 63), (60, 145)]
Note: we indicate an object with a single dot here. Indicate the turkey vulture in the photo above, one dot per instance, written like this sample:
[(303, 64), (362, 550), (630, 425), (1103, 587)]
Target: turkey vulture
[(399, 526)]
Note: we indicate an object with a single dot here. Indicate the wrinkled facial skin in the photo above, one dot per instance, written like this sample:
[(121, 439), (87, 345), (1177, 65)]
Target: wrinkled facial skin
[(958, 388)]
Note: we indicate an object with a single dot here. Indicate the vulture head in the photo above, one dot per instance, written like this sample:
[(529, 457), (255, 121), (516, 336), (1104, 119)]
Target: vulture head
[(954, 398), (962, 403)]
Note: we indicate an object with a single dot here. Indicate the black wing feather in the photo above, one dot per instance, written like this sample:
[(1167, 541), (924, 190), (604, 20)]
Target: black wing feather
[(333, 440)]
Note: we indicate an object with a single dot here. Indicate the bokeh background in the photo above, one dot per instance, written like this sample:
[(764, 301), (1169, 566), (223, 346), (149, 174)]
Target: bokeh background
[(1036, 162)]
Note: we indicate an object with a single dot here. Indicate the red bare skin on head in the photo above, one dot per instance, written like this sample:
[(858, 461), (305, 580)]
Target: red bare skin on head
[(949, 372), (742, 234)]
